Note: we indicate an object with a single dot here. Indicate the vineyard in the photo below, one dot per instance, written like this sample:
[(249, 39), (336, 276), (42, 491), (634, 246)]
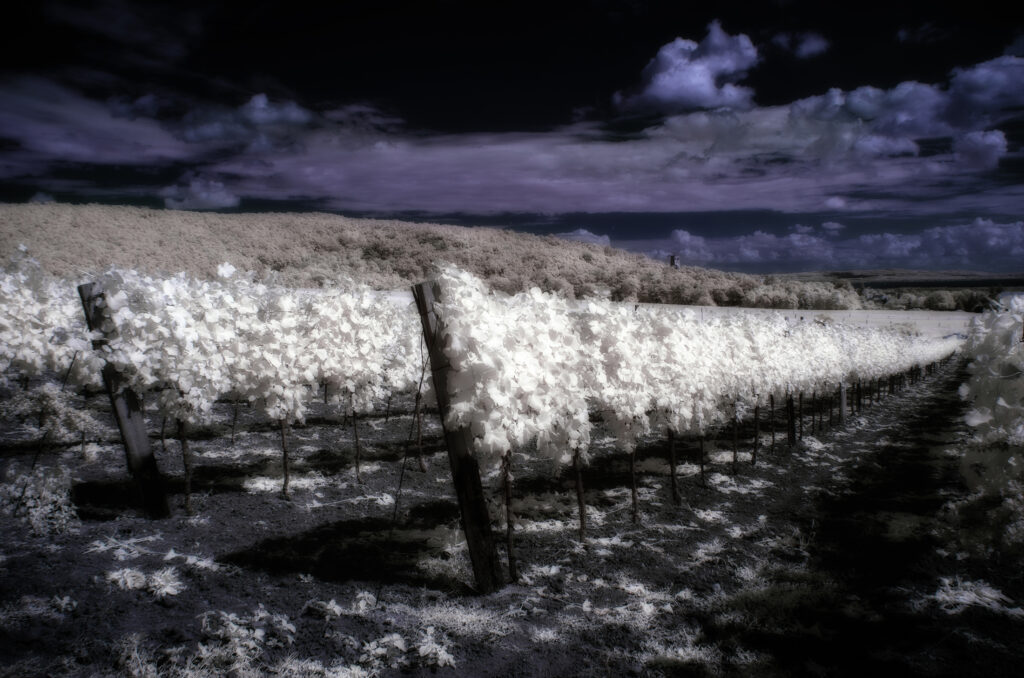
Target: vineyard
[(274, 498)]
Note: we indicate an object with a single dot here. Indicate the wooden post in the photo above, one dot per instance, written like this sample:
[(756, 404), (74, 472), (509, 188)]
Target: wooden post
[(128, 412), (757, 433), (676, 499), (800, 415), (579, 494), (476, 521), (842, 403), (790, 421), (735, 437)]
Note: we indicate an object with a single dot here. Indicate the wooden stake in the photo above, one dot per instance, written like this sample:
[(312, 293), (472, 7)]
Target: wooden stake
[(506, 472), (676, 498), (127, 408), (355, 434), (800, 415), (186, 461), (757, 433), (735, 439), (702, 481), (476, 522), (284, 457), (632, 485), (790, 421), (842, 403), (579, 494)]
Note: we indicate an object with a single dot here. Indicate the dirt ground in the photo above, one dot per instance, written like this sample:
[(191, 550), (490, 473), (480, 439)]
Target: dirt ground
[(856, 552)]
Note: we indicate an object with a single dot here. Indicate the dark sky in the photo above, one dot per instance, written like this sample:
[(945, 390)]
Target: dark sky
[(781, 134)]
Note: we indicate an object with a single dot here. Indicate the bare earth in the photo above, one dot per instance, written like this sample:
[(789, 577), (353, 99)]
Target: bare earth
[(843, 556)]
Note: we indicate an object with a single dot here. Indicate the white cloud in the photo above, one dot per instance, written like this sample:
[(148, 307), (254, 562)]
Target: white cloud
[(980, 150), (583, 235), (832, 227), (200, 194), (685, 75)]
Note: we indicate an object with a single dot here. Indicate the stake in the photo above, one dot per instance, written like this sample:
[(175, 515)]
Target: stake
[(702, 481), (163, 438), (800, 415), (676, 498), (419, 431), (127, 407), (790, 421), (757, 433), (476, 523), (186, 460), (632, 485), (355, 433), (735, 439), (284, 450), (579, 494), (506, 472)]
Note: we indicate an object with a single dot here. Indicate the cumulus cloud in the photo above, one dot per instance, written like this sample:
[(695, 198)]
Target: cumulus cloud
[(980, 150), (981, 245), (685, 75), (201, 193), (980, 94), (583, 235)]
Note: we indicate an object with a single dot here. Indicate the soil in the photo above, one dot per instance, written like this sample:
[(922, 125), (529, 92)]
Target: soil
[(853, 552)]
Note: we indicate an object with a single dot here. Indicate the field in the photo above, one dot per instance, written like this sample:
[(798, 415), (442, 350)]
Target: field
[(875, 544), (844, 555)]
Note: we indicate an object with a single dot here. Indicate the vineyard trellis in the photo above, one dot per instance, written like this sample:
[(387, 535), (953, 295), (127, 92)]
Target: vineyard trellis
[(522, 372)]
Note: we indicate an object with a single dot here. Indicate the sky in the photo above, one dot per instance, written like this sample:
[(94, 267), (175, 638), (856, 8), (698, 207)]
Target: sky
[(773, 136)]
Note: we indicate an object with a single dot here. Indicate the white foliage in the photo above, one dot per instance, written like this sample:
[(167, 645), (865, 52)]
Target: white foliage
[(531, 367)]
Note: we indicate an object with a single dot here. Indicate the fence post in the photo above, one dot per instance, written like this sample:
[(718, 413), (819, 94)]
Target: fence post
[(476, 521), (128, 413), (842, 403)]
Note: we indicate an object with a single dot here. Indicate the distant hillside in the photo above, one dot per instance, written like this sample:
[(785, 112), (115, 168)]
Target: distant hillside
[(314, 250)]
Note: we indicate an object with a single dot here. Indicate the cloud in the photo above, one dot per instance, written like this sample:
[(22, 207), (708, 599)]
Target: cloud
[(201, 193), (55, 124), (980, 245), (259, 124), (583, 235), (685, 75), (980, 150), (832, 227), (811, 44), (981, 95), (802, 45)]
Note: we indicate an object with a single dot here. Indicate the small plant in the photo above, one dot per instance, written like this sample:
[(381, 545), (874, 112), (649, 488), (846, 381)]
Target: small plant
[(41, 498)]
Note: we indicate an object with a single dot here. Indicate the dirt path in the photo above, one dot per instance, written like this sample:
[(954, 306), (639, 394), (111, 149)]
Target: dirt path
[(827, 559), (877, 552)]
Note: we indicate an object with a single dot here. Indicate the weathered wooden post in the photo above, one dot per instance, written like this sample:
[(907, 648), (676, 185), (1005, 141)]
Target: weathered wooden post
[(842, 403), (676, 497), (476, 521), (757, 432), (790, 421), (128, 413)]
